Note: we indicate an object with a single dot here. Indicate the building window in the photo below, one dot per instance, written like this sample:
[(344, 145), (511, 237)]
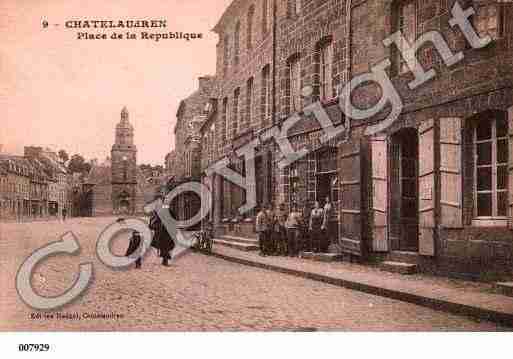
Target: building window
[(406, 23), (294, 7), (491, 166), (225, 119), (235, 118), (265, 16), (226, 54), (236, 47), (295, 83), (294, 183), (325, 71), (251, 15), (266, 94), (249, 102), (488, 20)]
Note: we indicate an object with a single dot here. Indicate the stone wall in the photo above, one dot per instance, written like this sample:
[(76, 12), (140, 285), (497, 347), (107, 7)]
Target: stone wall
[(482, 80)]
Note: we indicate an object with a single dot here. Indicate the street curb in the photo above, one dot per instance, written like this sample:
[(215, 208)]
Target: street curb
[(502, 318)]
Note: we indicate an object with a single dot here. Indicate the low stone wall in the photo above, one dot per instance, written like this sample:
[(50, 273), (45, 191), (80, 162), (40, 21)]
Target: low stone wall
[(485, 253)]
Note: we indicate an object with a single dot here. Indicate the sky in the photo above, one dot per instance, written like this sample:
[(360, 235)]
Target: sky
[(65, 93)]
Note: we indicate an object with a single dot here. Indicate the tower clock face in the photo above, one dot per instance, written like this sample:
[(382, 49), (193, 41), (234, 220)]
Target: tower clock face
[(124, 158)]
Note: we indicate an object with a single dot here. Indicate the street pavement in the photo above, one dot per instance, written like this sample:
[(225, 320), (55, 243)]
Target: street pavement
[(196, 293)]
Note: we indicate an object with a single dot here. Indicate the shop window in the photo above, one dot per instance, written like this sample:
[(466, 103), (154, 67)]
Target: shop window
[(293, 184), (405, 15), (327, 161), (488, 19), (491, 149), (326, 175)]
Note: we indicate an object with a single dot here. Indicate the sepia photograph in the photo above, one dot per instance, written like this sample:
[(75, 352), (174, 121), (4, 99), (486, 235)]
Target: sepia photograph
[(299, 168)]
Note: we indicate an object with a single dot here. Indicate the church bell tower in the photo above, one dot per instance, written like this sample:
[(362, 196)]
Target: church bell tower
[(124, 167)]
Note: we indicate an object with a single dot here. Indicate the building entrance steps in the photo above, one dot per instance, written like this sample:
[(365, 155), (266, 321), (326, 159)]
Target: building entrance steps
[(399, 267), (403, 256), (321, 257), (505, 288), (240, 243)]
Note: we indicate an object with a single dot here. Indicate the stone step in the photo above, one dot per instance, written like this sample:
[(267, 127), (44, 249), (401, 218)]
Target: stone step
[(239, 239), (246, 247), (404, 257), (505, 288), (399, 267), (321, 257)]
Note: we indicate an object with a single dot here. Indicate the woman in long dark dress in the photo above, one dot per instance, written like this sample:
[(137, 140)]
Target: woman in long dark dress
[(161, 238), (133, 246)]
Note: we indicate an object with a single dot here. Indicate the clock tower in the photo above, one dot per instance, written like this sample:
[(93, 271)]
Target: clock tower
[(124, 167)]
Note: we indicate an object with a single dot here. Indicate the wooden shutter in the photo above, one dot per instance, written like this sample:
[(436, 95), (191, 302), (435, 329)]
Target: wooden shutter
[(379, 163), (450, 173), (510, 125), (350, 194), (427, 188)]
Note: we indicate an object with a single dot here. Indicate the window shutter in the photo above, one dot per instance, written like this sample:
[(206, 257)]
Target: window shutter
[(379, 162), (510, 125), (350, 194), (427, 188), (450, 173)]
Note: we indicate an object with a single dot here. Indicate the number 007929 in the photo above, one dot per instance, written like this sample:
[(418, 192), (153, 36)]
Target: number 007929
[(34, 347)]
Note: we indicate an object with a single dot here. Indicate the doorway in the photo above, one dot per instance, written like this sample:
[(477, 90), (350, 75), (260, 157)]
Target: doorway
[(404, 196), (327, 187)]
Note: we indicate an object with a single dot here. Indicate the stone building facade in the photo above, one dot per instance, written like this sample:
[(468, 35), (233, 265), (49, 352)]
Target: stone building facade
[(190, 116), (58, 186), (435, 187), (24, 188)]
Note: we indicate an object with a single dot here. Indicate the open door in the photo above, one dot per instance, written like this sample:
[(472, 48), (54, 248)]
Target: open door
[(403, 217), (350, 198), (450, 173), (379, 161), (427, 188)]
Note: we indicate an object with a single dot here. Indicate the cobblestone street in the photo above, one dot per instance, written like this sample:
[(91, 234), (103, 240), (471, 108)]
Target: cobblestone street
[(196, 293)]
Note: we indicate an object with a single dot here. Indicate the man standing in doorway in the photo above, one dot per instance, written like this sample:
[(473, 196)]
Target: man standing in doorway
[(262, 224)]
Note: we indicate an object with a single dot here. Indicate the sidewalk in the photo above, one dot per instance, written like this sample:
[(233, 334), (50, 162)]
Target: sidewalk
[(478, 300)]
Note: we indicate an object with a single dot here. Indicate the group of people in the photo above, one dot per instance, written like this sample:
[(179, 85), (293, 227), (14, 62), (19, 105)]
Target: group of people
[(287, 234)]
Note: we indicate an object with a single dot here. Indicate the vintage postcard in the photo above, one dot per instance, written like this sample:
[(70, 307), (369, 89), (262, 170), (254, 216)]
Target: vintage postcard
[(256, 165)]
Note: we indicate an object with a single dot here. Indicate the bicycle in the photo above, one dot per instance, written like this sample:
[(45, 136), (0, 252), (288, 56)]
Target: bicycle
[(203, 242)]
